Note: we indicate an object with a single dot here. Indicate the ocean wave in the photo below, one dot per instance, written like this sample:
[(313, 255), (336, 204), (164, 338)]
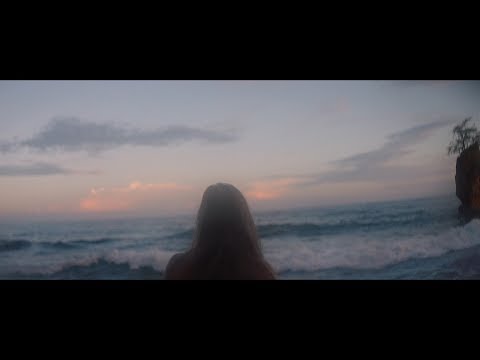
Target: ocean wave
[(352, 251), (100, 269), (341, 226), (86, 264), (76, 243), (12, 245), (455, 264), (364, 251), (307, 229), (302, 243), (182, 235)]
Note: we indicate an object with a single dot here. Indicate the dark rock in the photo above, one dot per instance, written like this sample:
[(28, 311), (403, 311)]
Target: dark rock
[(467, 180)]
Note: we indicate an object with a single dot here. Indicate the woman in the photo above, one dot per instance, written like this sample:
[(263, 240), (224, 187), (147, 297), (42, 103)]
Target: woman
[(226, 245)]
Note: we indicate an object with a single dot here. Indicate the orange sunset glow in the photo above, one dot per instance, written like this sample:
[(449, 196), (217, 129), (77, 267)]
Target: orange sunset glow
[(274, 189), (128, 197)]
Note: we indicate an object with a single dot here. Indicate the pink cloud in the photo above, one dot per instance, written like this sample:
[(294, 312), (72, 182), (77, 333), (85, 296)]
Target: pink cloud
[(129, 197)]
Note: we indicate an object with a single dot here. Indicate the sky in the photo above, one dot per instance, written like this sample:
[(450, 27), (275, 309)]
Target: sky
[(81, 149)]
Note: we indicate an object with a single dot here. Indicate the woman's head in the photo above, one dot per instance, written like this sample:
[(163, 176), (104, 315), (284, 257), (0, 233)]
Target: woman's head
[(224, 221), (225, 237)]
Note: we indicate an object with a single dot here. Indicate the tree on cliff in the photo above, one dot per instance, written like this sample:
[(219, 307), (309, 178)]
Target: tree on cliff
[(464, 136)]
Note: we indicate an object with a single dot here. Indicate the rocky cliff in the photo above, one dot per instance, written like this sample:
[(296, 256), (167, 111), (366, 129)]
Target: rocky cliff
[(467, 179)]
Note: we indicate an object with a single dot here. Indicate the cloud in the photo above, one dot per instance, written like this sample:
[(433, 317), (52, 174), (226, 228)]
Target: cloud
[(135, 195), (370, 166), (72, 134), (373, 165), (377, 173), (41, 169), (37, 169), (397, 145)]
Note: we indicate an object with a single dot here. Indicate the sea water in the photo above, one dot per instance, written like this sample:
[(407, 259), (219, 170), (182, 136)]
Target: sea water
[(408, 239)]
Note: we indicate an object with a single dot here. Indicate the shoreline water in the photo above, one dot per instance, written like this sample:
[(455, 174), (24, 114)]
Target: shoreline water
[(455, 264), (387, 240)]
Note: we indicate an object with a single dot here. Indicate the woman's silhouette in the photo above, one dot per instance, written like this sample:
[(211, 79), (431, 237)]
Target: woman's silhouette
[(225, 245)]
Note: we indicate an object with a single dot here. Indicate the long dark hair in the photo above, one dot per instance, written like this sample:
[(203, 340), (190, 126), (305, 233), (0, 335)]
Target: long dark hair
[(226, 244)]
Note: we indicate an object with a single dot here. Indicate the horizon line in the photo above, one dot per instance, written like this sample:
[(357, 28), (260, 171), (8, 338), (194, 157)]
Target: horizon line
[(119, 217)]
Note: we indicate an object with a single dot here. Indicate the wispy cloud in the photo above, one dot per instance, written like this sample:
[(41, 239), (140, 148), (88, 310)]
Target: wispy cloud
[(374, 164), (37, 169), (72, 134), (398, 144), (370, 166), (40, 169)]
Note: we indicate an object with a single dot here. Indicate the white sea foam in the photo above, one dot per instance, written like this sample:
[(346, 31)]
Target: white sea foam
[(156, 258), (365, 251)]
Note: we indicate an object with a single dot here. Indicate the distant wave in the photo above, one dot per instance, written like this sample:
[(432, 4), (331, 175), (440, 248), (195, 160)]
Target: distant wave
[(187, 234), (307, 229), (12, 245), (76, 243), (311, 229)]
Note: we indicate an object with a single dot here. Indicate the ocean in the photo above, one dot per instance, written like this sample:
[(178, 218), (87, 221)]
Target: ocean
[(408, 239)]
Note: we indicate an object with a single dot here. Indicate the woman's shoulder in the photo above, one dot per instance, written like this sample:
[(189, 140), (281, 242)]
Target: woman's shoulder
[(175, 266)]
